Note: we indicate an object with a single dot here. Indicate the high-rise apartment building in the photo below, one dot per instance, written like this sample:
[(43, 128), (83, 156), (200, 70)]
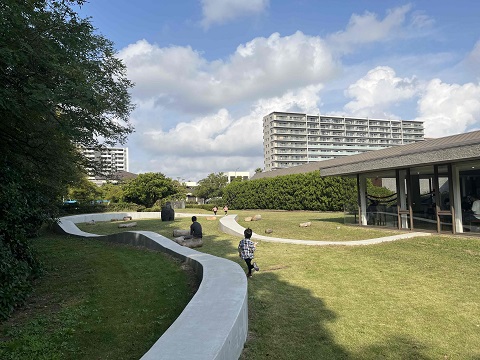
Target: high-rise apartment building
[(109, 160), (291, 139)]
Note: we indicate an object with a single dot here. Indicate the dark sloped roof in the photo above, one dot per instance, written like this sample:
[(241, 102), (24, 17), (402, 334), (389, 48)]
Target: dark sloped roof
[(434, 151), (123, 175), (300, 169)]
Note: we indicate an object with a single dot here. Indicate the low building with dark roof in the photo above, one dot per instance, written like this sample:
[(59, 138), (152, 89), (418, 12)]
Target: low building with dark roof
[(448, 167)]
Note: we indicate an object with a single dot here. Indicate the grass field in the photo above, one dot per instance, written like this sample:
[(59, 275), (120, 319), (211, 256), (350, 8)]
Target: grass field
[(409, 299), (96, 301)]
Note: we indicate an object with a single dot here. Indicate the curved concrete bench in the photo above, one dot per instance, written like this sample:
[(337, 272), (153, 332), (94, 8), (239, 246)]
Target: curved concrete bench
[(214, 324)]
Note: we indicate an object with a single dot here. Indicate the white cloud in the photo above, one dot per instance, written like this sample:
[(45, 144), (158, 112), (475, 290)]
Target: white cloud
[(421, 20), (219, 141), (195, 116), (378, 91), (472, 61), (221, 11), (448, 109), (219, 133), (180, 78), (445, 109), (366, 28), (210, 112)]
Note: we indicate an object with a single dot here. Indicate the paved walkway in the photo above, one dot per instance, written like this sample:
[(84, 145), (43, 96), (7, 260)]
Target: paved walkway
[(229, 225)]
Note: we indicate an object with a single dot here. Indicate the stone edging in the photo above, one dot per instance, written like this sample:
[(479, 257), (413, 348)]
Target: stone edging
[(214, 324)]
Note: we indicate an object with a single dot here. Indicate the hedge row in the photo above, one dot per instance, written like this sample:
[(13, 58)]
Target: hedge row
[(307, 191)]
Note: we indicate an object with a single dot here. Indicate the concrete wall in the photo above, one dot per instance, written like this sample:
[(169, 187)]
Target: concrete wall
[(214, 324)]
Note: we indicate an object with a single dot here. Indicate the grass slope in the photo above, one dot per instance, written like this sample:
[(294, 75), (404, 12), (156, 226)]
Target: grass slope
[(96, 301)]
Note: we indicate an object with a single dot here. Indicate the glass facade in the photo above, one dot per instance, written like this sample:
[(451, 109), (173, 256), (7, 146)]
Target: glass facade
[(425, 207)]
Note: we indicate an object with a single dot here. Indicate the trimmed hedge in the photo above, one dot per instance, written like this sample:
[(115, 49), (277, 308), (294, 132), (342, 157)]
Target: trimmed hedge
[(307, 191), (207, 207), (99, 208)]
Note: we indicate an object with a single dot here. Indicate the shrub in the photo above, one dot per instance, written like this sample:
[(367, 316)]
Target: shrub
[(18, 267), (207, 207), (307, 191)]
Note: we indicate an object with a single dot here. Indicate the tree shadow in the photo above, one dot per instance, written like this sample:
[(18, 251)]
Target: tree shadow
[(287, 321), (403, 347), (280, 314), (336, 220), (297, 331)]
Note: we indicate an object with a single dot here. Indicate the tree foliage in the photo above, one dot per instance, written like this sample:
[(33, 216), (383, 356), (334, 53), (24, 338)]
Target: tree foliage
[(212, 186), (180, 190), (112, 192), (292, 192), (62, 87), (146, 189), (84, 191)]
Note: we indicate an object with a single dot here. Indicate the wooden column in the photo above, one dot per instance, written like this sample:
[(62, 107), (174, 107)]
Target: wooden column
[(358, 201), (452, 196), (456, 200), (409, 198), (436, 189), (363, 199)]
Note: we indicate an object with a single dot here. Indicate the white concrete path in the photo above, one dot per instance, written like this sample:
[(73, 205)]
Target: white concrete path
[(229, 225)]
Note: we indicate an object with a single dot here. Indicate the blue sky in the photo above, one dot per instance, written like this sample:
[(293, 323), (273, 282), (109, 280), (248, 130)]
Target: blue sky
[(207, 71)]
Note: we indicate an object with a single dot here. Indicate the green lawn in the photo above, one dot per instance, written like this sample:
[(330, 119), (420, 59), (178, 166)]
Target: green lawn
[(96, 301), (409, 299), (285, 224), (324, 226)]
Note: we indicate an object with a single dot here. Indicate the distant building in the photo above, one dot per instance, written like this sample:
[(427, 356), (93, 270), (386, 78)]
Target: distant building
[(122, 176), (291, 139), (240, 175), (190, 186), (112, 164)]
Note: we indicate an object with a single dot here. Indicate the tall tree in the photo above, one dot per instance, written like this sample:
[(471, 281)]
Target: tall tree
[(146, 189), (61, 87), (212, 186), (112, 192), (180, 190), (84, 191)]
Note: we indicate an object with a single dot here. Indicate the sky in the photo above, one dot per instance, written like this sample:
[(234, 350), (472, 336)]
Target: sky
[(206, 72)]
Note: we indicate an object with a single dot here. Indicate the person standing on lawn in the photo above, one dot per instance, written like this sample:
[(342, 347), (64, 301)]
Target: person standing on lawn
[(246, 248)]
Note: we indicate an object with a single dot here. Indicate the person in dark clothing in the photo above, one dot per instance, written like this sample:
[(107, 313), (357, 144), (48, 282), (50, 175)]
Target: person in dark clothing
[(195, 229)]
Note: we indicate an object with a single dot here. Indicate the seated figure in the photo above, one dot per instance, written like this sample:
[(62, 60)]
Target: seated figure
[(476, 209), (167, 213)]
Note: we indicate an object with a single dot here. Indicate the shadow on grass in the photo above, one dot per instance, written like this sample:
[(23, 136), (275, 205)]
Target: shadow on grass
[(287, 321), (398, 347), (335, 220)]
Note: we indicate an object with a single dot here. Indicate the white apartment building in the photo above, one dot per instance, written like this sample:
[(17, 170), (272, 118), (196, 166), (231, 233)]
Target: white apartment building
[(240, 175), (291, 139), (110, 160)]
